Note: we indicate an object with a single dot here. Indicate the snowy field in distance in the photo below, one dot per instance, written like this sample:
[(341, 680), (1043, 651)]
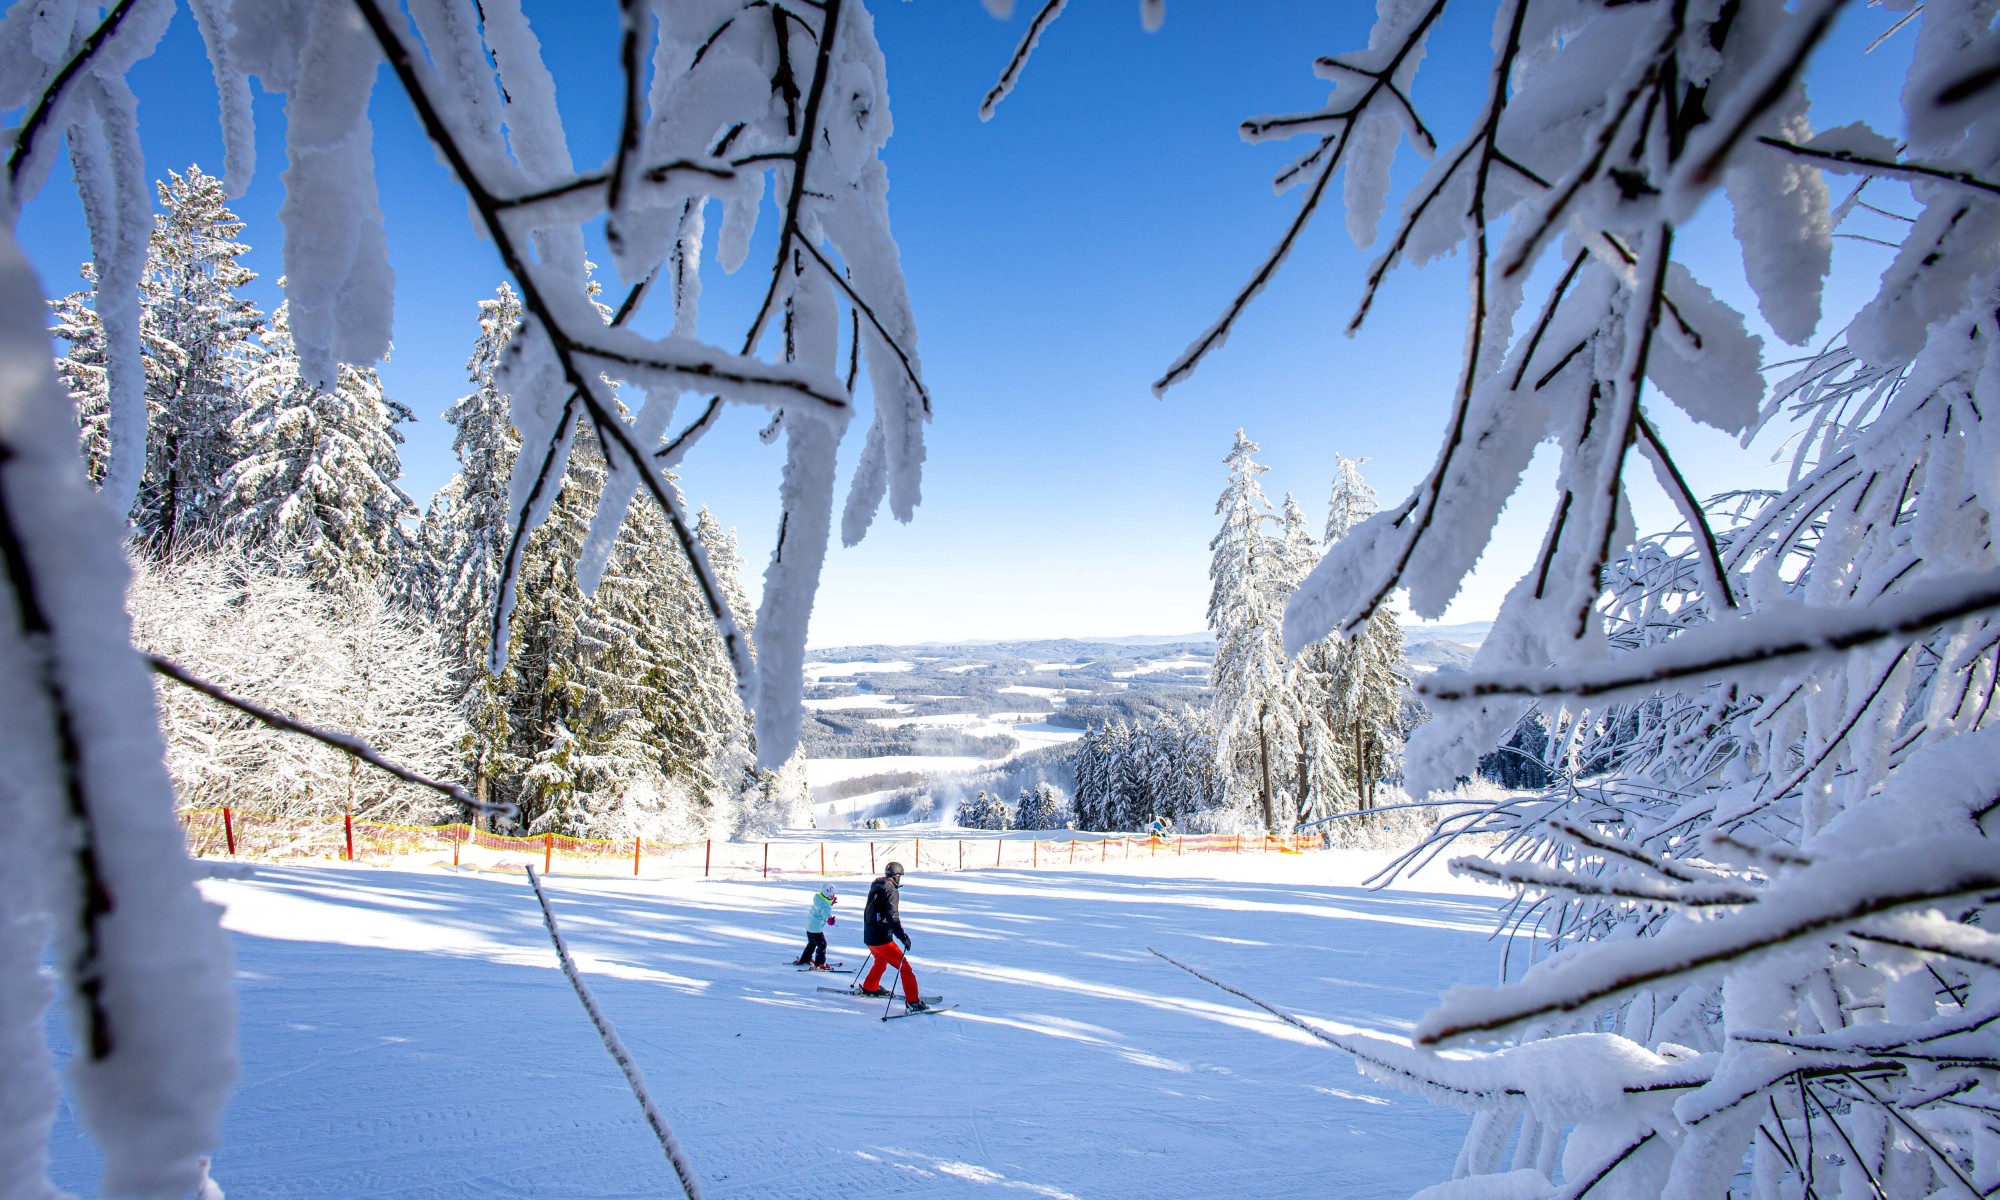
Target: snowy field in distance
[(407, 1034)]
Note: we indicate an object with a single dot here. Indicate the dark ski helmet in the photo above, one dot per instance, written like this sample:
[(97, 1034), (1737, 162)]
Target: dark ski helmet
[(894, 870)]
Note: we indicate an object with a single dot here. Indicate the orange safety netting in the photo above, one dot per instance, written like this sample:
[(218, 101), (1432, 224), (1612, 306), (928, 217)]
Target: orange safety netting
[(218, 832)]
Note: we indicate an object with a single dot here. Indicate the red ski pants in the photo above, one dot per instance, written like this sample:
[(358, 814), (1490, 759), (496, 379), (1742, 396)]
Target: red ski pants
[(886, 956)]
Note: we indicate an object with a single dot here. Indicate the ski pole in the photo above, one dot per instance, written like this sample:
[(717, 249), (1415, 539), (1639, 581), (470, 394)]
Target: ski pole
[(907, 965)]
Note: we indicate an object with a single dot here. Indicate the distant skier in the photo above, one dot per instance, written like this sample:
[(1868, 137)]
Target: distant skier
[(821, 916), (882, 921)]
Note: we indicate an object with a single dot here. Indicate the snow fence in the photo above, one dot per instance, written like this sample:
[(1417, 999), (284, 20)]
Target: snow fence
[(234, 833)]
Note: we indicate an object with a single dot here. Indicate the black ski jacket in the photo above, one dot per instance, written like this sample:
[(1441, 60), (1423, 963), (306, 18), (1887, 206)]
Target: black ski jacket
[(882, 919)]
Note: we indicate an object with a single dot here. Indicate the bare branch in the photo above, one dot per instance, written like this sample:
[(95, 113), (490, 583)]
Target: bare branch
[(1011, 73), (1884, 166), (683, 1168)]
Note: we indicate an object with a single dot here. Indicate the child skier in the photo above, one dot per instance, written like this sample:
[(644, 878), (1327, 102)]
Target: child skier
[(821, 916)]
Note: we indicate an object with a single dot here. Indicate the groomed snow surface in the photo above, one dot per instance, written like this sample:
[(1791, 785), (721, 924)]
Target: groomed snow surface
[(408, 1034)]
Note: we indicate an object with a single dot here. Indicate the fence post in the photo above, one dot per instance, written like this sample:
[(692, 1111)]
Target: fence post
[(1034, 855), (999, 848), (454, 845), (1180, 845), (229, 830), (917, 853), (871, 858), (1072, 850), (548, 851), (822, 858), (707, 856), (636, 842), (767, 860), (350, 837), (1103, 849)]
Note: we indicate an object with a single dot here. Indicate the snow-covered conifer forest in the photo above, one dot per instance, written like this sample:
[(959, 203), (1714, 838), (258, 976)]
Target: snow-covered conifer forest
[(1744, 888)]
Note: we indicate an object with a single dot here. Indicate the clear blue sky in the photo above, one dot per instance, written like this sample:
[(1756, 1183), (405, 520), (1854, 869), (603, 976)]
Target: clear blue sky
[(1058, 258)]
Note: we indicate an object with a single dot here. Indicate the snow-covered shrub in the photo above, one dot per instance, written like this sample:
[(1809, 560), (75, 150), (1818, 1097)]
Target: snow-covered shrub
[(350, 661), (770, 801)]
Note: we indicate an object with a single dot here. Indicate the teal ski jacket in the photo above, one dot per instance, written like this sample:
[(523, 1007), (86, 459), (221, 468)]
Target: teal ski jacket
[(821, 916)]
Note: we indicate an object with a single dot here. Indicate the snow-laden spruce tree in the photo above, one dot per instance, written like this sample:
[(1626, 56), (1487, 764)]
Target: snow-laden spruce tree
[(1249, 677), (1043, 807), (1764, 965), (316, 467), (198, 333), (463, 542), (985, 811), (1364, 681), (1127, 774), (721, 99)]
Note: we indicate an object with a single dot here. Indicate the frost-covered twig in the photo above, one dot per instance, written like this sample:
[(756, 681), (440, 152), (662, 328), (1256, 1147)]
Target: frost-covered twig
[(1808, 903), (683, 1169), (346, 743), (1623, 886), (1884, 166), (1011, 73), (1771, 640)]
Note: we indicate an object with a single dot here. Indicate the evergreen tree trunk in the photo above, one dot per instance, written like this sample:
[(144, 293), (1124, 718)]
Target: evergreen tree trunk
[(1304, 786), (1362, 796), (1264, 764)]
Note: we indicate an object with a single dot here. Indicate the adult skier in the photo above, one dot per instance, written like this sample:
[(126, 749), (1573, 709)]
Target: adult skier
[(881, 928), (821, 916)]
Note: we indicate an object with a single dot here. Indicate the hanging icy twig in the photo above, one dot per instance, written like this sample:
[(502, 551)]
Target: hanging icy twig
[(42, 114), (346, 743), (683, 1169)]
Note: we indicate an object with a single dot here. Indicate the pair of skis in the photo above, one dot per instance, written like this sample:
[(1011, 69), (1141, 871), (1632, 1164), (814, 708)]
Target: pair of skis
[(931, 1004)]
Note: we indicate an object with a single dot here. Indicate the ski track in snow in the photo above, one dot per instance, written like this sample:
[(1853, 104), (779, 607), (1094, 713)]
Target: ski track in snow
[(407, 1034)]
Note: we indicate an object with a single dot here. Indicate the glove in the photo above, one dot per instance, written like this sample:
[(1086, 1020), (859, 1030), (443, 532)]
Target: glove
[(906, 942), (831, 921)]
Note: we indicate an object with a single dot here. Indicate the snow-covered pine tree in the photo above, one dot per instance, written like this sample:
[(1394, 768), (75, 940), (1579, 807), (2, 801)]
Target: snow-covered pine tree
[(1364, 686), (1313, 773), (197, 332), (316, 469), (1252, 702), (464, 540), (1043, 806), (81, 369), (1092, 771), (984, 811)]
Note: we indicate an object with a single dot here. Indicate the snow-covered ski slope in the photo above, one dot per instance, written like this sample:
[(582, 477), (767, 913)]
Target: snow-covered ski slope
[(408, 1034)]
